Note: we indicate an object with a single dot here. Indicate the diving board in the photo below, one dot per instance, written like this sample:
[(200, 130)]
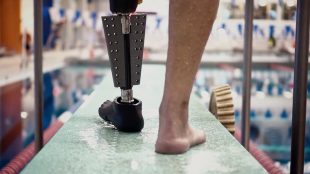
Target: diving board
[(85, 144)]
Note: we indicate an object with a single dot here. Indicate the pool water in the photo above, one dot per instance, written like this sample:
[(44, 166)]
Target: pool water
[(64, 90)]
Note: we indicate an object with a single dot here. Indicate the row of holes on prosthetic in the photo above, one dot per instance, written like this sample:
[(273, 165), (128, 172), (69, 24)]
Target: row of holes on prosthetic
[(115, 42), (136, 32), (114, 54), (116, 72), (136, 23), (137, 17)]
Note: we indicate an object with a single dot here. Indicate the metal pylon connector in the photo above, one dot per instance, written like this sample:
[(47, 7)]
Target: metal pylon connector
[(125, 20), (127, 96)]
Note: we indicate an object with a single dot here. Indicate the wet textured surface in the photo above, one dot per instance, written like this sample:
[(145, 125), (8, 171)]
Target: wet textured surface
[(85, 144)]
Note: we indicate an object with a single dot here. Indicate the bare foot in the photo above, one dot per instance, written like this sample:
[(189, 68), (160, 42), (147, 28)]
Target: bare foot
[(175, 136)]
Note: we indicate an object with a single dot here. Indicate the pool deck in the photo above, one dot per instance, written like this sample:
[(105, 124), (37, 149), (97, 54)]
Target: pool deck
[(85, 144)]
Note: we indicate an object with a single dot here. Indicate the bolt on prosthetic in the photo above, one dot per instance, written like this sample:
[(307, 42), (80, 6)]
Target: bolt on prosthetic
[(124, 33)]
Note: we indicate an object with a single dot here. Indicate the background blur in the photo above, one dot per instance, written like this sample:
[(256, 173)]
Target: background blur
[(75, 60)]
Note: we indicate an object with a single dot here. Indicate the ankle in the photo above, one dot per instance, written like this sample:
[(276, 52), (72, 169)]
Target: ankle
[(175, 115), (173, 111), (168, 105)]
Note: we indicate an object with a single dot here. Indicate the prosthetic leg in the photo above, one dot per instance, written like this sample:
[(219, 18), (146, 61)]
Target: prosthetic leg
[(124, 32)]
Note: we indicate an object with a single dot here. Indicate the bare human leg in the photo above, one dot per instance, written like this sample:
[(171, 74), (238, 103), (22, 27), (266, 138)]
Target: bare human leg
[(190, 23)]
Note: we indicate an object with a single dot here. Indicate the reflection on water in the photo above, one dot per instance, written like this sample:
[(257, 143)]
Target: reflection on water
[(64, 90)]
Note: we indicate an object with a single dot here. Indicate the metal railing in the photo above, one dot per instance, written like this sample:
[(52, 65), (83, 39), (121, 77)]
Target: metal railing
[(300, 82), (247, 72), (300, 86), (38, 74)]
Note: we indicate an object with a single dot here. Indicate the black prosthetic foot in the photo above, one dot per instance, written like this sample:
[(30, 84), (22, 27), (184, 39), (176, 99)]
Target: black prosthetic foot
[(126, 117)]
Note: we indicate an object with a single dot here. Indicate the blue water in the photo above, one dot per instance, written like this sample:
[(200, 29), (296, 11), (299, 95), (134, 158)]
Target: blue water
[(63, 90)]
